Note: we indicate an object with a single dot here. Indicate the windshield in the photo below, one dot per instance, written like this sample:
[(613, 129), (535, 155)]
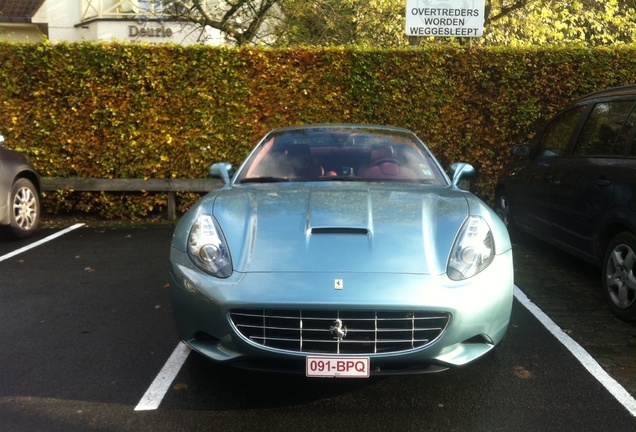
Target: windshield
[(341, 154)]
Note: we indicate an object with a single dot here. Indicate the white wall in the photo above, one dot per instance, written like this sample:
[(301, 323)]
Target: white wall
[(63, 18)]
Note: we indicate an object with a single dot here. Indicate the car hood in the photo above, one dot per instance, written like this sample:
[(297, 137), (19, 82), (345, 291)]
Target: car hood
[(335, 227)]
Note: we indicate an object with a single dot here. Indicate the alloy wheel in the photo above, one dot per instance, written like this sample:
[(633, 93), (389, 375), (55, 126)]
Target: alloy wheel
[(620, 280), (25, 208)]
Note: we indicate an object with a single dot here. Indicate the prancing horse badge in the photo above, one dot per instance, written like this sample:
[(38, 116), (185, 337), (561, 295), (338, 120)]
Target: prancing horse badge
[(338, 284)]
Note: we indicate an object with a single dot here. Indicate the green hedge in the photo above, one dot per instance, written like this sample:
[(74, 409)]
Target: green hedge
[(131, 110)]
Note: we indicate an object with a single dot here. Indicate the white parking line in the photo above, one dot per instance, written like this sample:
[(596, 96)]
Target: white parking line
[(160, 386), (615, 389), (40, 242)]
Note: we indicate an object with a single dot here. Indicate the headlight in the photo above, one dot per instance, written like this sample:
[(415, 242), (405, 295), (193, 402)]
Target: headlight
[(208, 249), (473, 251)]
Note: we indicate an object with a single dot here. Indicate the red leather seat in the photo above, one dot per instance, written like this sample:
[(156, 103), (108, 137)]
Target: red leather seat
[(388, 170)]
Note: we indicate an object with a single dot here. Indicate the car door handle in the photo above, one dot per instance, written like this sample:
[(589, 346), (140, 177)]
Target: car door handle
[(602, 182)]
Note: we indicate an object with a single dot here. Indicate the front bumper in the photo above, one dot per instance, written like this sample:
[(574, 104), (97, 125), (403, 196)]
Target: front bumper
[(478, 308)]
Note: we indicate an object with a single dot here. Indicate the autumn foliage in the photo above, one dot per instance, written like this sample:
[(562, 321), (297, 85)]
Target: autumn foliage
[(166, 111)]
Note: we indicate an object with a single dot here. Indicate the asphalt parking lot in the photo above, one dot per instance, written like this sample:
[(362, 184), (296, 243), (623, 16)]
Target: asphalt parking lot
[(568, 291), (87, 330)]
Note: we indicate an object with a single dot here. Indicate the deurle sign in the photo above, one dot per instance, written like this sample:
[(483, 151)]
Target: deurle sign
[(458, 18)]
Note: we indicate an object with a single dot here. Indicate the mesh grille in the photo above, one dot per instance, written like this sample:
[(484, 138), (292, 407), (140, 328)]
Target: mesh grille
[(361, 332)]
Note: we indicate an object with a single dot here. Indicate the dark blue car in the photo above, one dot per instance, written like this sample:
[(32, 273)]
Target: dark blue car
[(574, 186)]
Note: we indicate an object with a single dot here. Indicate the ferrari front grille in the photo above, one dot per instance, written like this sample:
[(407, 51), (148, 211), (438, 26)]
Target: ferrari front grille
[(339, 332)]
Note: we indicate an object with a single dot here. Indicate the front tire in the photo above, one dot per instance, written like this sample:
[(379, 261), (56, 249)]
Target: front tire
[(25, 209), (619, 278)]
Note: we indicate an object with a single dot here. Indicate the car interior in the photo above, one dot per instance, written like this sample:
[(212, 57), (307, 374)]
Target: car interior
[(295, 158)]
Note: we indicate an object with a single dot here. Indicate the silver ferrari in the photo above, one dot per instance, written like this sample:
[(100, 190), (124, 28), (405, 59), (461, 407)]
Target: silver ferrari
[(341, 251)]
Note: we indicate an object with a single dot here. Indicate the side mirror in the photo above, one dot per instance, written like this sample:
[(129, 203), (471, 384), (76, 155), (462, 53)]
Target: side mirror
[(222, 170), (522, 150), (462, 172)]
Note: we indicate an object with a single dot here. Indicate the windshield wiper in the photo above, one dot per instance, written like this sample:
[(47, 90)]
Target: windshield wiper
[(264, 180)]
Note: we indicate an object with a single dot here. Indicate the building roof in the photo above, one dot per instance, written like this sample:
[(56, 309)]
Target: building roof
[(19, 10)]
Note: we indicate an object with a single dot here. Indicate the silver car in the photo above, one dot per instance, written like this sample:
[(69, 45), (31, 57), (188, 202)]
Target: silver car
[(341, 251), (19, 194)]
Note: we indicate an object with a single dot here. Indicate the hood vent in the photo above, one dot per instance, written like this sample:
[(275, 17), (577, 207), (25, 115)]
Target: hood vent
[(343, 230)]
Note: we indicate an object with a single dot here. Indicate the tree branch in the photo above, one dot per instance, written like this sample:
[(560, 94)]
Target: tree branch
[(505, 10)]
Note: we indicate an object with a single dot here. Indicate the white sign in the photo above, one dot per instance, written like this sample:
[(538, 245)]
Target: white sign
[(458, 18)]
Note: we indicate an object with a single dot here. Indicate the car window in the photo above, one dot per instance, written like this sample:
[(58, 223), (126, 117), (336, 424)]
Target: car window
[(626, 136), (557, 133), (345, 153), (605, 131)]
